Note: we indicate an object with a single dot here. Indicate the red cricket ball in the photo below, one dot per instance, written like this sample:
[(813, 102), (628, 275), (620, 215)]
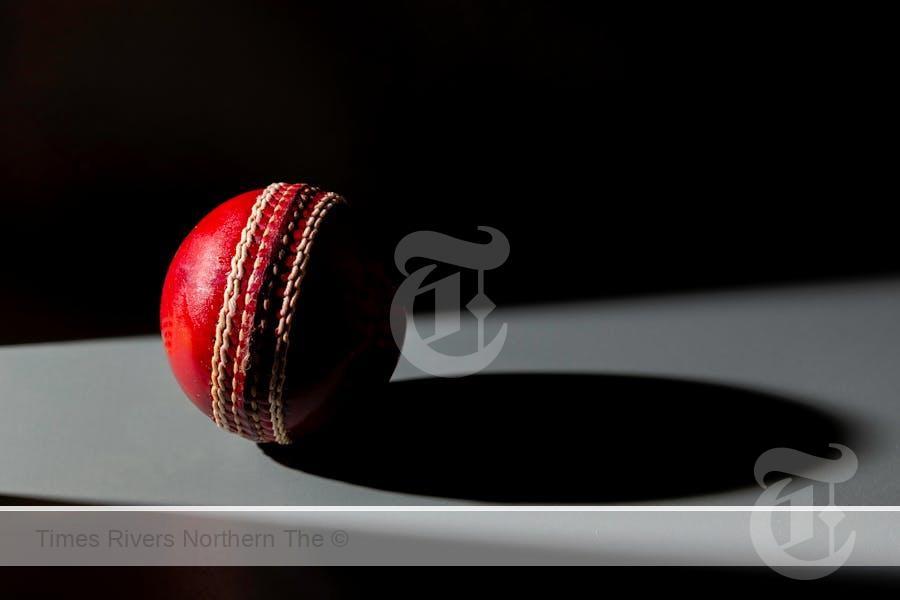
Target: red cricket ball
[(271, 307)]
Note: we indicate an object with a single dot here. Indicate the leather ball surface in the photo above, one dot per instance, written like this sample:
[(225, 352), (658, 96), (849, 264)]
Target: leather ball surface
[(273, 307)]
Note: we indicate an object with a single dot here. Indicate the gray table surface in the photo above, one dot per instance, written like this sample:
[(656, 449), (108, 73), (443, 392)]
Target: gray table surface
[(104, 421)]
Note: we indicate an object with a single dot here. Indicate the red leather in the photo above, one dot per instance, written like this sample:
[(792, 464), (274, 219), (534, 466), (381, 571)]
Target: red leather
[(340, 337), (192, 295)]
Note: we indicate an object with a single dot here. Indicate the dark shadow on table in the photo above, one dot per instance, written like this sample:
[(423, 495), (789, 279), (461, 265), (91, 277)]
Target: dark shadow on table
[(554, 438)]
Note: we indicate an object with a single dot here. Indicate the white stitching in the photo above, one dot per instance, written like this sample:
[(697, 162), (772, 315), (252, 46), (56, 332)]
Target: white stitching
[(285, 314), (285, 196), (227, 310)]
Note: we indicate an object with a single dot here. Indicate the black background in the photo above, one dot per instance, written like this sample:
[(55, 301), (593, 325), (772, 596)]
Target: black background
[(622, 152), (338, 582)]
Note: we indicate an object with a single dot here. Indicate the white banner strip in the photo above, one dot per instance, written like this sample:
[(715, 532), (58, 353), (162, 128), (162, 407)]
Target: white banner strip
[(825, 539)]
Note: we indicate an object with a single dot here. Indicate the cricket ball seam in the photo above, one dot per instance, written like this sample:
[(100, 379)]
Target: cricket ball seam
[(292, 244), (284, 238), (321, 205), (243, 354), (224, 325), (281, 260), (238, 304), (288, 207)]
